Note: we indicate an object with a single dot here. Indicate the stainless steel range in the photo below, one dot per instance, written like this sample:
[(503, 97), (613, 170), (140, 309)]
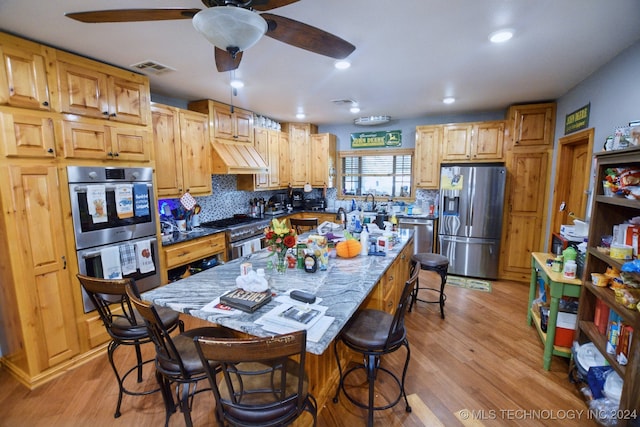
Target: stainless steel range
[(244, 234)]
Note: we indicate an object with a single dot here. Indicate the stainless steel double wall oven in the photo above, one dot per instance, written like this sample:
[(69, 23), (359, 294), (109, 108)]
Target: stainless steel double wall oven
[(94, 237)]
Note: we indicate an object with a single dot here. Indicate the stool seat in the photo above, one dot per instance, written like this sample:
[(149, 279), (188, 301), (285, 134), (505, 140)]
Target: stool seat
[(438, 264)]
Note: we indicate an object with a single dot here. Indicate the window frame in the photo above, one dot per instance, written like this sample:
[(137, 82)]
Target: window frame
[(367, 153)]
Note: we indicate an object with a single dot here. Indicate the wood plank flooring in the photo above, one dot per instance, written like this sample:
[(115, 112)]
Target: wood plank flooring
[(481, 366)]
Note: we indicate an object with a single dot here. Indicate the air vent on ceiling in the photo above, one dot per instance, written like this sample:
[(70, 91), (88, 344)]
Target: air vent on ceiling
[(152, 67), (343, 101), (371, 120)]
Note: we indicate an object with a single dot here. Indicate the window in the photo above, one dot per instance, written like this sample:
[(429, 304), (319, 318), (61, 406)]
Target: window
[(384, 174)]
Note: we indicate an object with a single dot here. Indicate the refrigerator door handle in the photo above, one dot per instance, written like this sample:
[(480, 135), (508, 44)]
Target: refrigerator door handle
[(472, 193)]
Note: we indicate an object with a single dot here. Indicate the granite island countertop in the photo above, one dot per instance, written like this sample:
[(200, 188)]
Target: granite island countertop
[(342, 287)]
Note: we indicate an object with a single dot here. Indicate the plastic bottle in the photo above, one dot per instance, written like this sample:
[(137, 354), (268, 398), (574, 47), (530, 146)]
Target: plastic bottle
[(364, 241), (569, 271)]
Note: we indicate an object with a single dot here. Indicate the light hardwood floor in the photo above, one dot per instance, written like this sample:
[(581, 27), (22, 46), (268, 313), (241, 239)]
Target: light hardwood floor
[(482, 357)]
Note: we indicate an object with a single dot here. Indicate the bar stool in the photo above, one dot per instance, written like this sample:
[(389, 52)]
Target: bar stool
[(438, 264)]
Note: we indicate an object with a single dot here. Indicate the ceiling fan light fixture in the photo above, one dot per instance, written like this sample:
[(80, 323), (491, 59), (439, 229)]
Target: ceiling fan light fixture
[(237, 84), (501, 36), (230, 28)]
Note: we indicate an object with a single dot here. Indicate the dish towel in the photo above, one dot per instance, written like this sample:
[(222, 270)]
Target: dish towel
[(124, 200), (111, 268), (143, 256), (140, 200), (97, 203), (128, 259)]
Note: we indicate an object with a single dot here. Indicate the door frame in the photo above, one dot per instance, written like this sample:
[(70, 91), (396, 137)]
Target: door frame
[(563, 187)]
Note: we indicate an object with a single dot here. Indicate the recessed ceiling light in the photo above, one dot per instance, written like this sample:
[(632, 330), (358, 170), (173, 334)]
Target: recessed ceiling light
[(449, 100), (300, 116), (354, 109), (237, 84), (342, 64), (501, 36)]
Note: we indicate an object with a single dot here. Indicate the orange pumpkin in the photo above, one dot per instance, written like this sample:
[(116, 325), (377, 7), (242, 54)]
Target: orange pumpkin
[(348, 248)]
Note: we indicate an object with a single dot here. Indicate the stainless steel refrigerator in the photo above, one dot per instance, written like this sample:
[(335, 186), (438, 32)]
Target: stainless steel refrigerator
[(470, 225)]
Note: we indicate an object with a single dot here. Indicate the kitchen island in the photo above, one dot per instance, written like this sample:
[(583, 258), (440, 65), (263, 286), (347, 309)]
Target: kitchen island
[(346, 285)]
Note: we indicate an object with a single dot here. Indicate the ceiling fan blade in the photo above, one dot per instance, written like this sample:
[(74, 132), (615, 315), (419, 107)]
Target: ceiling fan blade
[(263, 5), (224, 60), (307, 37), (132, 15)]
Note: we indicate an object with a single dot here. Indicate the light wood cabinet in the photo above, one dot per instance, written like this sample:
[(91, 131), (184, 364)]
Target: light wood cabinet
[(481, 141), (181, 151), (231, 124), (427, 157), (284, 172), (606, 212), (526, 201), (97, 90), (386, 295), (322, 160), (27, 133), (26, 76), (98, 140), (38, 319), (180, 254), (533, 125), (269, 145), (299, 150)]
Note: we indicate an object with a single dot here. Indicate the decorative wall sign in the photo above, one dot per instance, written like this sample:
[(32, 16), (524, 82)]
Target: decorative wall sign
[(577, 120), (391, 138)]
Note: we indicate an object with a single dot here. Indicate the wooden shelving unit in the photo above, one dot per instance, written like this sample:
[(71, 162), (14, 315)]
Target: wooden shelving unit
[(607, 212)]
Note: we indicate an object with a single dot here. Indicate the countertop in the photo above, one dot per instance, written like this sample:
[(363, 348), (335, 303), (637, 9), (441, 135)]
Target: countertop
[(342, 287)]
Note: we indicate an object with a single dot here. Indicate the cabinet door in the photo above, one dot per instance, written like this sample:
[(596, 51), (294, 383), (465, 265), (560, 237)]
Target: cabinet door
[(129, 101), (427, 155), (223, 127), (23, 74), (488, 141), (85, 140), (261, 144), (83, 90), (274, 159), (533, 125), (322, 160), (167, 150), (243, 123), (43, 285), (284, 161), (196, 152), (27, 134), (456, 142), (525, 208), (129, 143), (299, 154)]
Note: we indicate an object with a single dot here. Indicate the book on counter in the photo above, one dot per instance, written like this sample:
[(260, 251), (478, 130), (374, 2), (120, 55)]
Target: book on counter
[(246, 300)]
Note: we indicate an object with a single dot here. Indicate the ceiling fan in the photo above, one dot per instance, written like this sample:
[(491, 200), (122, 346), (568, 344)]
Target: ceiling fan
[(232, 26)]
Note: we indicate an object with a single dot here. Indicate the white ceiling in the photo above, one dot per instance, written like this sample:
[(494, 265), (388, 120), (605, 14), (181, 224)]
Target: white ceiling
[(409, 53)]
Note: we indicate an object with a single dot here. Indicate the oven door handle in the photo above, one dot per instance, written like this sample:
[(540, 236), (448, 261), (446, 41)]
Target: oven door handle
[(107, 187)]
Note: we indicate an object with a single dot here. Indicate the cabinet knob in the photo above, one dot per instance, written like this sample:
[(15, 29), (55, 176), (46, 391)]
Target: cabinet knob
[(50, 151), (116, 154), (112, 115), (110, 154), (105, 113), (64, 262), (45, 103)]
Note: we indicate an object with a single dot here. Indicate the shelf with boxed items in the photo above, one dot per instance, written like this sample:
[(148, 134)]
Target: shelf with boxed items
[(609, 211)]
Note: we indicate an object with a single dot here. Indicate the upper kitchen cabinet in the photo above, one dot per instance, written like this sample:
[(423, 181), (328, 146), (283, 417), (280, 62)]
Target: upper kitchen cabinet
[(181, 151), (533, 124), (322, 160), (93, 89), (299, 149), (26, 75), (427, 155), (266, 143), (38, 326), (226, 122), (482, 141), (284, 172), (27, 133), (93, 139)]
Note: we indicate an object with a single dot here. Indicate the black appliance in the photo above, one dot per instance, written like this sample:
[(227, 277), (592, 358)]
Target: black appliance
[(315, 204), (297, 200)]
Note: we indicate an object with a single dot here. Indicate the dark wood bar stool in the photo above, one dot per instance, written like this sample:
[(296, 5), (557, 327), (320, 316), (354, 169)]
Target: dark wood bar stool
[(303, 224), (436, 263)]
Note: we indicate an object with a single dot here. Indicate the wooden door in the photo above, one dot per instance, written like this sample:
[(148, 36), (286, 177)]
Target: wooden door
[(85, 140), (526, 195), (456, 142), (168, 151), (571, 186), (427, 155), (196, 152), (222, 121), (42, 280), (27, 134), (274, 159), (83, 90), (299, 154), (261, 144), (285, 177), (23, 74), (488, 141), (243, 124), (322, 158), (130, 143), (129, 100)]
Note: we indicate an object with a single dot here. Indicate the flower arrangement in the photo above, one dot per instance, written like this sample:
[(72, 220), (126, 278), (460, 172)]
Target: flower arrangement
[(279, 236)]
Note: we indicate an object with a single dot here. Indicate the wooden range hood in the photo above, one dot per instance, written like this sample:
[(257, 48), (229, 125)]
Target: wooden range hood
[(233, 159)]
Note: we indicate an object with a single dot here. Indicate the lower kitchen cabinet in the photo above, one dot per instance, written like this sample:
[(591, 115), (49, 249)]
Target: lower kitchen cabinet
[(182, 254), (37, 317), (387, 293)]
